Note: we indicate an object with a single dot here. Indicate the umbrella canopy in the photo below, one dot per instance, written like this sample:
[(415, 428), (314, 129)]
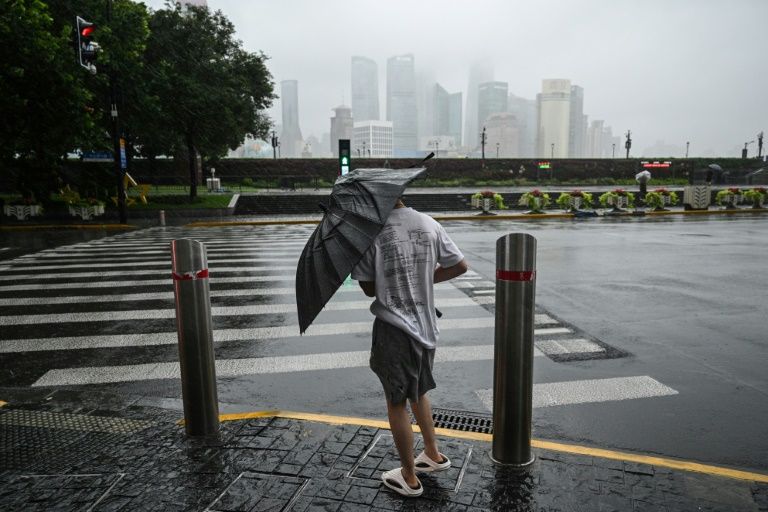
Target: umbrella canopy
[(715, 167), (642, 176), (360, 204)]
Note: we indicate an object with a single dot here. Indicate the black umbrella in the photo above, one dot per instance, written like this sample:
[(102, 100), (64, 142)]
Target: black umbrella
[(360, 204)]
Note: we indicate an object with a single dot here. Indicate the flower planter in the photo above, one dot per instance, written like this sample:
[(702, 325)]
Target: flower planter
[(23, 212), (730, 201), (87, 212)]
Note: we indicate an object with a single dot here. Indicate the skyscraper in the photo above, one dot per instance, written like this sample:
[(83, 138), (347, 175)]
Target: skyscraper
[(479, 72), (425, 103), (291, 143), (576, 132), (491, 99), (502, 136), (525, 112), (554, 104), (341, 127), (365, 89), (447, 114), (595, 142), (401, 104)]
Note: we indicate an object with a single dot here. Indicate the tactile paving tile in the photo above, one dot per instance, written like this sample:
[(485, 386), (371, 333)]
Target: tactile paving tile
[(80, 422)]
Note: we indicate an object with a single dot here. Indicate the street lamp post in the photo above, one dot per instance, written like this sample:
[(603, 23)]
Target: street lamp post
[(613, 150), (364, 148), (497, 150), (553, 151), (687, 145), (482, 145)]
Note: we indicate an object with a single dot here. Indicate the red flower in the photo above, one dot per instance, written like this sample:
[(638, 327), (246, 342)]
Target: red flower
[(487, 193), (620, 192), (577, 193), (734, 190), (762, 190), (662, 191), (536, 193)]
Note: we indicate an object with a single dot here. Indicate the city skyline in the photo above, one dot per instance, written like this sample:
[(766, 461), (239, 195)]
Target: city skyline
[(673, 72)]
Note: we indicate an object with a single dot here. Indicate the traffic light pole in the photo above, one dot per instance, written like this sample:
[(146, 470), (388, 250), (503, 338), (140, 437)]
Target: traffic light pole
[(119, 171)]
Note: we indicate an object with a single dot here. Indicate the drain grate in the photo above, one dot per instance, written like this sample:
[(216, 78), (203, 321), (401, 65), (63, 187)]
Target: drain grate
[(462, 420)]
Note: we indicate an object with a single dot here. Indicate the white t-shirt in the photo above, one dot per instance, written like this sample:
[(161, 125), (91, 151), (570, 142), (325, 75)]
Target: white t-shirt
[(402, 262)]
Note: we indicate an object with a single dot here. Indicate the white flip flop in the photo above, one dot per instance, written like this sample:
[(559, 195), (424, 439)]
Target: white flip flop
[(424, 464), (394, 480)]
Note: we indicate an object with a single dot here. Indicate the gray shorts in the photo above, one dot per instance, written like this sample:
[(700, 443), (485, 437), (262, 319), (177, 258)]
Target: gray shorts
[(403, 365)]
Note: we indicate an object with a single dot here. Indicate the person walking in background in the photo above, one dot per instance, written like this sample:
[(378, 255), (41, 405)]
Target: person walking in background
[(411, 253)]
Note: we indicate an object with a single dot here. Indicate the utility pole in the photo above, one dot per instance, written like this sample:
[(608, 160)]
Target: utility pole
[(482, 145), (118, 144), (628, 144), (274, 145)]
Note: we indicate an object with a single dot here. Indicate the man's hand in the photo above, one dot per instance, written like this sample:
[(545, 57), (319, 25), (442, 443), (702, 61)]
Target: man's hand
[(446, 273), (369, 287)]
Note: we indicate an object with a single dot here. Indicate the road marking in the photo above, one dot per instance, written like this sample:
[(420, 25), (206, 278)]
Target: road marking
[(144, 272), (148, 314), (285, 278), (682, 465), (247, 366), (222, 335), (140, 297), (558, 347), (132, 264), (589, 391)]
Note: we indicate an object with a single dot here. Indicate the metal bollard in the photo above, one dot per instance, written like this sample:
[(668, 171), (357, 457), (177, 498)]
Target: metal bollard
[(193, 323), (513, 350), (162, 217)]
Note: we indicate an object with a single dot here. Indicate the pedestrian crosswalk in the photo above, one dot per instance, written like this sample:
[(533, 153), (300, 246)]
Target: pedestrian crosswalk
[(102, 312)]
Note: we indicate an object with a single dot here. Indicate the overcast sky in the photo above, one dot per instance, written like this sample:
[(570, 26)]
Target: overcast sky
[(671, 70)]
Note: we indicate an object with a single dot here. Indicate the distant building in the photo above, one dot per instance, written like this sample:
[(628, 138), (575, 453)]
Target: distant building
[(595, 142), (443, 145), (576, 130), (447, 114), (365, 89), (372, 139), (479, 72), (342, 126), (526, 114), (291, 142), (425, 104), (554, 106), (502, 136), (401, 104), (491, 99)]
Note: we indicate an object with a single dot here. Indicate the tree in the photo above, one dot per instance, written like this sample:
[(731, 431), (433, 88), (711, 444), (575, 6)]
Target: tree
[(212, 93), (43, 103)]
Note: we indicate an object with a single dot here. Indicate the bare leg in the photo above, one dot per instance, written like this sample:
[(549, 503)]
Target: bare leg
[(423, 412), (402, 432)]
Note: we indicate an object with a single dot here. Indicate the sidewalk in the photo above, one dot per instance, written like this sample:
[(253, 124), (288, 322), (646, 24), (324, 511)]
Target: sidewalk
[(67, 451)]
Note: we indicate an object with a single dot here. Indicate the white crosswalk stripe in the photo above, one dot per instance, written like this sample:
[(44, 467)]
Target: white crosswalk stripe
[(590, 391)]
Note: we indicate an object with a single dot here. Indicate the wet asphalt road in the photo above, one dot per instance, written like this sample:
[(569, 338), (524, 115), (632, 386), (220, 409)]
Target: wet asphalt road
[(682, 299)]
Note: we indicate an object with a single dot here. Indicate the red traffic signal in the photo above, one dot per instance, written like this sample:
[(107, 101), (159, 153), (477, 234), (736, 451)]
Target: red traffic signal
[(87, 49)]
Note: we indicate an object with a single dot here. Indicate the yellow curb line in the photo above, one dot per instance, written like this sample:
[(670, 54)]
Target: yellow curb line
[(681, 465), (67, 226)]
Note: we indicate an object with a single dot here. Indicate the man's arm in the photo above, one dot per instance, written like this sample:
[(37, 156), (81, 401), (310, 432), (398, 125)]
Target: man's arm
[(446, 273), (369, 287)]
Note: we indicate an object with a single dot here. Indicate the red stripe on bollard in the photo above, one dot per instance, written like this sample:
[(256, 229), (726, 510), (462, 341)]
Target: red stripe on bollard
[(512, 275), (190, 276)]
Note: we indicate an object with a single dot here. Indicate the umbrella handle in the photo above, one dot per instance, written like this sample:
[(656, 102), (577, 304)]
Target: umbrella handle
[(438, 313)]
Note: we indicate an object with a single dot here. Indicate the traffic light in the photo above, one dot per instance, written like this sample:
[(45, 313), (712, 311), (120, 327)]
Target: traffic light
[(87, 48), (345, 156)]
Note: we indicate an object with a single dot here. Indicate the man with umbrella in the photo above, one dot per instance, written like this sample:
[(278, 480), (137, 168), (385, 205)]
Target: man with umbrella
[(409, 255)]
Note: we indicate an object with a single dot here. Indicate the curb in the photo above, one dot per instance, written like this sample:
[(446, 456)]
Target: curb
[(553, 446), (34, 227), (523, 216)]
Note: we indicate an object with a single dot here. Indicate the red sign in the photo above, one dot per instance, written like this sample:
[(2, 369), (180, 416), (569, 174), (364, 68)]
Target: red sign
[(657, 165)]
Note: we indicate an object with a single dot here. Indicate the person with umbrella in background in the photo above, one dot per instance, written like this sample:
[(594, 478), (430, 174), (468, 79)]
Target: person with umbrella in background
[(410, 254)]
